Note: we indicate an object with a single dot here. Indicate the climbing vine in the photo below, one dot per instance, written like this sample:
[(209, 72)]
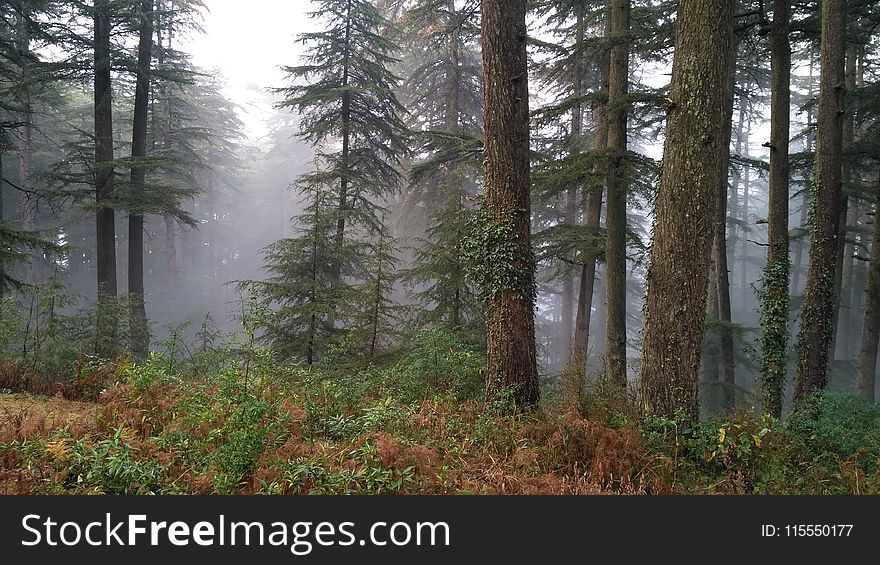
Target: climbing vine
[(495, 259), (773, 296)]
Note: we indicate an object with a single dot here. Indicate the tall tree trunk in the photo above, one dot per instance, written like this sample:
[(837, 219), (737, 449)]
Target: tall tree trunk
[(616, 180), (140, 336), (105, 218), (866, 376), (27, 203), (453, 118), (774, 316), (848, 215), (678, 274), (342, 205), (510, 317), (580, 349), (805, 206), (815, 336), (719, 247), (744, 287), (2, 222)]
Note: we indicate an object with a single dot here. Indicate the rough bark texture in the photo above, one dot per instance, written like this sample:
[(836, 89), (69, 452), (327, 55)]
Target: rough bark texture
[(615, 217), (721, 273), (510, 319), (871, 325), (678, 274), (580, 350), (105, 219), (140, 337), (774, 317), (815, 335)]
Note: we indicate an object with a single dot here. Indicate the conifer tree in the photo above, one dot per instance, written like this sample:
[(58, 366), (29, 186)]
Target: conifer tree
[(442, 93), (344, 92)]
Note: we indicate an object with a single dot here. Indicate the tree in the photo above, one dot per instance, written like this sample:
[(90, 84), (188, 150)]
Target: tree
[(814, 339), (678, 273), (615, 221), (140, 338), (510, 316), (774, 316), (103, 171), (867, 369), (347, 93), (442, 93)]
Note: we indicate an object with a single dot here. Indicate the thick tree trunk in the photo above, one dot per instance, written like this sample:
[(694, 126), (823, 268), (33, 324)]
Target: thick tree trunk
[(510, 319), (867, 371), (815, 333), (774, 317), (580, 349), (105, 218), (140, 336), (616, 180), (719, 248), (678, 274)]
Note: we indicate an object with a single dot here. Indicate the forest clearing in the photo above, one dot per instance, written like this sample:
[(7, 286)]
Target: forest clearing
[(439, 247)]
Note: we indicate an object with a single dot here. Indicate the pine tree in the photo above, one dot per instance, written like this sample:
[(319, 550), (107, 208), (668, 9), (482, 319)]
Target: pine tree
[(815, 337), (510, 316), (345, 91), (678, 274), (442, 93)]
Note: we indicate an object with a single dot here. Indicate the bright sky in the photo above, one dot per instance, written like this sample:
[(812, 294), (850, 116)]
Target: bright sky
[(248, 42)]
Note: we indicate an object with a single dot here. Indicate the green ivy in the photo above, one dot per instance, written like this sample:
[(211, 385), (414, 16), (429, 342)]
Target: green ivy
[(495, 259)]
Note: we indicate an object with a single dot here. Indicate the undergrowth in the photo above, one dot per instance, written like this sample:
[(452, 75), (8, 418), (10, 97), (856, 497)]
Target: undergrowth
[(220, 421)]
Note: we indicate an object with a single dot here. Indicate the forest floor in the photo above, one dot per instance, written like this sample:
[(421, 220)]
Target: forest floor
[(412, 424)]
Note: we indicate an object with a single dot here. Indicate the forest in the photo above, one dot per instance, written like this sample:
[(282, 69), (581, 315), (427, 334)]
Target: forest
[(457, 247)]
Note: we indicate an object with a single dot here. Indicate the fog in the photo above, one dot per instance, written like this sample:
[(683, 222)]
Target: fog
[(242, 201)]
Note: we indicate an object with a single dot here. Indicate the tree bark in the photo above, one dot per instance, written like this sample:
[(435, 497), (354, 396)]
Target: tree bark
[(616, 180), (510, 320), (678, 274), (866, 376), (815, 336), (140, 336), (342, 204), (105, 218), (774, 318)]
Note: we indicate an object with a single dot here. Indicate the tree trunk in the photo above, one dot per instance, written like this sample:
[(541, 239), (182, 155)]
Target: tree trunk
[(774, 317), (865, 382), (848, 215), (140, 336), (27, 203), (615, 217), (510, 319), (744, 287), (580, 350), (2, 222), (719, 247), (342, 204), (678, 274), (815, 333), (105, 218)]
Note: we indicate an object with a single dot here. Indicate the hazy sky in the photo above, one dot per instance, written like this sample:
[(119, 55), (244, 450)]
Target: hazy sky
[(248, 42)]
